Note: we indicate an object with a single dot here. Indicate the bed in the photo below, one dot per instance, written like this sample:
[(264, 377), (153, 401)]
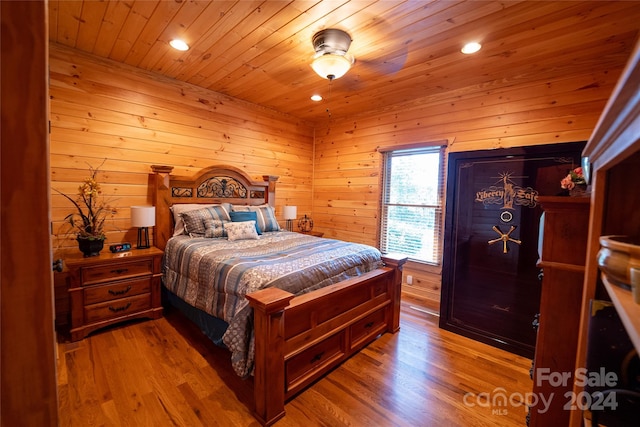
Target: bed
[(286, 315)]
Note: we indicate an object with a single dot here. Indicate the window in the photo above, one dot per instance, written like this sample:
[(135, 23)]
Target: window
[(412, 194)]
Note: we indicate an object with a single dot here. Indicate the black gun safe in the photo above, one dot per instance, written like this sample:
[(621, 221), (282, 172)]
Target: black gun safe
[(490, 284)]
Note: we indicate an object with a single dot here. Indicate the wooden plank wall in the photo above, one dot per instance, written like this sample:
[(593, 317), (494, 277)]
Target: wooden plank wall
[(105, 110), (348, 167)]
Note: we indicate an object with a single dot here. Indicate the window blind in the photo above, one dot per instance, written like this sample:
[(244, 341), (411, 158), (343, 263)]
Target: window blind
[(412, 203)]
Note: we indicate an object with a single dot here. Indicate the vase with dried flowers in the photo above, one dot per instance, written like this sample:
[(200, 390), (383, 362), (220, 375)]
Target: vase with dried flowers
[(88, 221), (575, 182)]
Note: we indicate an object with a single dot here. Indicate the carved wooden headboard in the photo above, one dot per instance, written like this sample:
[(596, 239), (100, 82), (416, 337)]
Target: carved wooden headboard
[(215, 184)]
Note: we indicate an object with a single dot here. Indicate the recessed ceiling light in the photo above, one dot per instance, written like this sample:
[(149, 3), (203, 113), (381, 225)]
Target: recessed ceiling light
[(316, 98), (179, 44), (472, 47)]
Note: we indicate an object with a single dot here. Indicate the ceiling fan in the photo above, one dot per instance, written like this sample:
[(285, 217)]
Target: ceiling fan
[(332, 60)]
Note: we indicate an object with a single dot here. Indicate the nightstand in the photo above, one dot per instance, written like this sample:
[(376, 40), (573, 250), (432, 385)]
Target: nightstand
[(112, 288), (312, 233)]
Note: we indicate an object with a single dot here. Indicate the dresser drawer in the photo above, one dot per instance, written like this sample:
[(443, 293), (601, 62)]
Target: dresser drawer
[(368, 327), (301, 366), (116, 271), (116, 308), (123, 289)]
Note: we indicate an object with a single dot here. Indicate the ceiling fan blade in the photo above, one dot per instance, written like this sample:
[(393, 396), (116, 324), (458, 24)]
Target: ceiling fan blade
[(385, 65)]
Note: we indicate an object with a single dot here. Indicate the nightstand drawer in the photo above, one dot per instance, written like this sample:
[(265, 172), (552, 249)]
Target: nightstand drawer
[(116, 308), (121, 270), (127, 288)]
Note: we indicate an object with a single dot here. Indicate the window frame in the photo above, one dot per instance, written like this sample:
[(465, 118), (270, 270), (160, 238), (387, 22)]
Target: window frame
[(439, 220)]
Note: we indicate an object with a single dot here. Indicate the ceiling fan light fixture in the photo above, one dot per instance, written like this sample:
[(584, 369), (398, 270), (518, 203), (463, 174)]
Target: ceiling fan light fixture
[(331, 60), (331, 66)]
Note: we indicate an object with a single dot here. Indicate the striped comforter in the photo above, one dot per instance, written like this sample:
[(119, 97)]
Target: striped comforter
[(214, 275)]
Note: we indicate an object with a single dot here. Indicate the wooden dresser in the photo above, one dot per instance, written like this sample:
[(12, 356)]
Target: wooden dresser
[(562, 260), (112, 288), (614, 150)]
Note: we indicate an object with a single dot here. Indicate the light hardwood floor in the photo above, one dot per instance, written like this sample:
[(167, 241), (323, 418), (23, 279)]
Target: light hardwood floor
[(166, 373)]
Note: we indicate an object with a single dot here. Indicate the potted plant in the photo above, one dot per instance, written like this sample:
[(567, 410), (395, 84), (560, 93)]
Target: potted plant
[(88, 221), (575, 182)]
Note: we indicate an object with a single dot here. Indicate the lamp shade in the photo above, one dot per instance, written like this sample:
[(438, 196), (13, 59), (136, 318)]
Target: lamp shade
[(331, 66), (143, 216), (290, 212)]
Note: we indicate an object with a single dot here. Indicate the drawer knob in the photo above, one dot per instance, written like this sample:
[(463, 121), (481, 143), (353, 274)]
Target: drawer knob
[(317, 357), (121, 292), (368, 325), (120, 270), (122, 308)]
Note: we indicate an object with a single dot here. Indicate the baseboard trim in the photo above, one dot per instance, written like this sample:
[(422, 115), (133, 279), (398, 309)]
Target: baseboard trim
[(425, 310)]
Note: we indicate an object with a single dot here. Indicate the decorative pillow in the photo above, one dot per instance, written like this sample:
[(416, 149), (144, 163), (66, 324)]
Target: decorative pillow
[(245, 216), (180, 208), (214, 228), (266, 216), (194, 220), (241, 230)]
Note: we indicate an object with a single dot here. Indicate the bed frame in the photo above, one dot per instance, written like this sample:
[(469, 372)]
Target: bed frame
[(297, 339)]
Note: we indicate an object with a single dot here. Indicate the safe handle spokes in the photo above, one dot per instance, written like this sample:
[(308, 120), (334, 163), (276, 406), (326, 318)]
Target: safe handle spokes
[(504, 238)]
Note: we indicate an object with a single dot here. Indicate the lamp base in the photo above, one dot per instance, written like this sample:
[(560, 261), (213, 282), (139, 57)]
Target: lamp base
[(143, 238)]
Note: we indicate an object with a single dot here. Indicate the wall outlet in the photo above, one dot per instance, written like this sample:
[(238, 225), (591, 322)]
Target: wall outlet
[(409, 280)]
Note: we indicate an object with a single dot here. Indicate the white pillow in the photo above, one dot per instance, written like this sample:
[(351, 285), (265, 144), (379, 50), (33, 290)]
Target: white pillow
[(178, 209), (245, 230)]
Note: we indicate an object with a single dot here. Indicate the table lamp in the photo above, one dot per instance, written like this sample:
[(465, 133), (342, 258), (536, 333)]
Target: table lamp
[(143, 217), (290, 213)]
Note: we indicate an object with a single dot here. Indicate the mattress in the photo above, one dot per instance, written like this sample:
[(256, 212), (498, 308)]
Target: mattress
[(214, 275)]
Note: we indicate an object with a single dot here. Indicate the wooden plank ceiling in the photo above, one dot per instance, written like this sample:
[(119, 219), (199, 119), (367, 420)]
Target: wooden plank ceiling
[(407, 52)]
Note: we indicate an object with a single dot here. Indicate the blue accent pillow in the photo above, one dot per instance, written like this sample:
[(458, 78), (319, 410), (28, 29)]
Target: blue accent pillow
[(237, 216), (266, 216)]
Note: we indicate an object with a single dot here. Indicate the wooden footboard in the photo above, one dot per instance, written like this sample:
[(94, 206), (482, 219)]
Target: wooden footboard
[(300, 339)]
